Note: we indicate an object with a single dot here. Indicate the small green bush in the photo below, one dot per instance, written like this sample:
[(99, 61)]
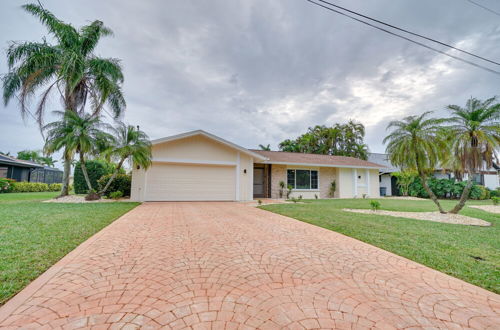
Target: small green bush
[(495, 193), (55, 186), (6, 185), (30, 187), (495, 200), (122, 182), (375, 205), (95, 169), (116, 195)]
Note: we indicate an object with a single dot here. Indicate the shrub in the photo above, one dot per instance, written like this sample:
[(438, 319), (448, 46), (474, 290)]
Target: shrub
[(95, 169), (333, 188), (117, 195), (479, 192), (288, 191), (30, 187), (495, 193), (260, 202), (6, 185), (375, 205), (282, 188), (122, 182), (55, 186), (495, 200)]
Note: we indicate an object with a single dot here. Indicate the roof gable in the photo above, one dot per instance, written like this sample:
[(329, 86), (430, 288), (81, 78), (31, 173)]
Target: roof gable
[(211, 137)]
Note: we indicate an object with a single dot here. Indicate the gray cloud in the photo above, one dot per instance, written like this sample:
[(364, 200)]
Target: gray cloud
[(262, 71)]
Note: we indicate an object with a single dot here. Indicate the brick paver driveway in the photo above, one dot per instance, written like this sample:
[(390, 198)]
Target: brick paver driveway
[(229, 265)]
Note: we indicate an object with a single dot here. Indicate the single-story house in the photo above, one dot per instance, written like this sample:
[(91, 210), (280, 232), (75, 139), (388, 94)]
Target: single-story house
[(199, 166), (488, 177), (24, 170)]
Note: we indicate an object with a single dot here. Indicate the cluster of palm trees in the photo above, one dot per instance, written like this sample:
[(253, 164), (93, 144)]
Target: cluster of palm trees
[(85, 83), (465, 143)]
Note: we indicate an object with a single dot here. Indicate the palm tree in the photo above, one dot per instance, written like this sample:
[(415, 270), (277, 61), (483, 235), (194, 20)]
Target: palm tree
[(129, 143), (474, 133), (75, 134), (68, 67), (265, 147), (416, 143)]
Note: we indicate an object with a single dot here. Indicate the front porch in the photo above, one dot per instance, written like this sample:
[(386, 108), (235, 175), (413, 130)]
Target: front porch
[(262, 181)]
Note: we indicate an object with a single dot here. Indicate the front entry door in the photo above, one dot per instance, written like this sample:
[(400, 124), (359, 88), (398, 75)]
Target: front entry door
[(258, 182)]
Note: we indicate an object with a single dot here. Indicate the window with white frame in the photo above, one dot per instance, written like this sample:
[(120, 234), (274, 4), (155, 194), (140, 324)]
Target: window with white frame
[(302, 179)]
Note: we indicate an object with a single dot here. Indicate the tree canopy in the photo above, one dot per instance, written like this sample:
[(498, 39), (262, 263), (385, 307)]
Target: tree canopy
[(339, 139)]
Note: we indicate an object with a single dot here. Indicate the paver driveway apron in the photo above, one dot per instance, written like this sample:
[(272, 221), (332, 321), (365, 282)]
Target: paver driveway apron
[(229, 265)]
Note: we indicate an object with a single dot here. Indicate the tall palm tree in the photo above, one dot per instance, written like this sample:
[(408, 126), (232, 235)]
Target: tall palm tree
[(129, 143), (416, 143), (474, 132), (69, 67), (75, 134)]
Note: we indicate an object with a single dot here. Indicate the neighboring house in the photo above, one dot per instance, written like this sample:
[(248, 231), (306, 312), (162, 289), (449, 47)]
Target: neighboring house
[(24, 170), (200, 166), (489, 178)]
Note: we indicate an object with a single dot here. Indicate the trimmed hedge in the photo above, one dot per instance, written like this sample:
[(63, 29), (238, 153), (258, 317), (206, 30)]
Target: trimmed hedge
[(122, 183), (95, 169), (35, 187)]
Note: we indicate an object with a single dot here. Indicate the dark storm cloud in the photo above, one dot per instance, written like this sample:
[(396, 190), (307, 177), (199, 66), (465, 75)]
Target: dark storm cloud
[(261, 71)]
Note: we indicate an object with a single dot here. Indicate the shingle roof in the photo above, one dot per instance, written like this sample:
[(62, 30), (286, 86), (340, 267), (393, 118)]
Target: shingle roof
[(383, 159), (4, 159), (314, 159)]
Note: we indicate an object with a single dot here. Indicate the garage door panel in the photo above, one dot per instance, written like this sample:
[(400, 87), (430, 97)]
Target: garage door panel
[(180, 182)]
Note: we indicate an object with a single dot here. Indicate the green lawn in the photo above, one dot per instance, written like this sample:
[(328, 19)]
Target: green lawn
[(35, 235), (448, 248)]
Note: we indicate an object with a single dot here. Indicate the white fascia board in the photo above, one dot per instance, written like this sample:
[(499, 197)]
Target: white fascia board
[(210, 136), (322, 165), (193, 161)]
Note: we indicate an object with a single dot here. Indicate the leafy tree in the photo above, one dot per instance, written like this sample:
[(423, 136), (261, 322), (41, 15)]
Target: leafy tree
[(416, 143), (340, 139), (474, 132), (31, 155), (265, 147), (129, 143), (76, 134), (69, 67), (404, 179)]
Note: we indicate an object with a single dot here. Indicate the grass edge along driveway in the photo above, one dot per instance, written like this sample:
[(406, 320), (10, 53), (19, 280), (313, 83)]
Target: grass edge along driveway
[(469, 253), (35, 235)]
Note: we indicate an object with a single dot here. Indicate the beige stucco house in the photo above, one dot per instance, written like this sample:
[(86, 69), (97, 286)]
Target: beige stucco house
[(199, 166)]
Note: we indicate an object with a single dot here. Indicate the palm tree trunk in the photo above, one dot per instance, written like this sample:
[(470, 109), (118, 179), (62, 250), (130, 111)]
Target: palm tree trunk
[(431, 194), (465, 195), (66, 173), (115, 173), (85, 174)]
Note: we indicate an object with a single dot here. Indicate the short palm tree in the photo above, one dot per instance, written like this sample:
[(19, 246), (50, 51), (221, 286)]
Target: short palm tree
[(75, 134), (129, 143), (474, 132), (416, 143), (265, 147), (69, 67)]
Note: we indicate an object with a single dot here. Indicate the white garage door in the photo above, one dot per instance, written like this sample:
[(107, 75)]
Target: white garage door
[(169, 182)]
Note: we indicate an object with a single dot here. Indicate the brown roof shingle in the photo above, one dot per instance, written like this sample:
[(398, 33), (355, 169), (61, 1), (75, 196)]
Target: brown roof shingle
[(301, 158)]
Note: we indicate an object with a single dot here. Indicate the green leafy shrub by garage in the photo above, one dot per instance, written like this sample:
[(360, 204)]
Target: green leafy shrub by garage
[(116, 195), (6, 185), (122, 182), (495, 193), (95, 169)]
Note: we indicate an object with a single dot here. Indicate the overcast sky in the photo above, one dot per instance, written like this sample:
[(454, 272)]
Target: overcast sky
[(260, 71)]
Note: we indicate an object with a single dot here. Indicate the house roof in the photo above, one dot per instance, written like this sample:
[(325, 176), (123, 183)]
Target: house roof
[(382, 159), (9, 160), (210, 136), (280, 157)]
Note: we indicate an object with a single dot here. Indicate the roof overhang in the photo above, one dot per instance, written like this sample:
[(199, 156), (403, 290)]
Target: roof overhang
[(323, 165), (211, 137), (19, 164)]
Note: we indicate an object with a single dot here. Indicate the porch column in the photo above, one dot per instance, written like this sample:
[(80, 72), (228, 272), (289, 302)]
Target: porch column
[(355, 182), (368, 190), (237, 176)]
